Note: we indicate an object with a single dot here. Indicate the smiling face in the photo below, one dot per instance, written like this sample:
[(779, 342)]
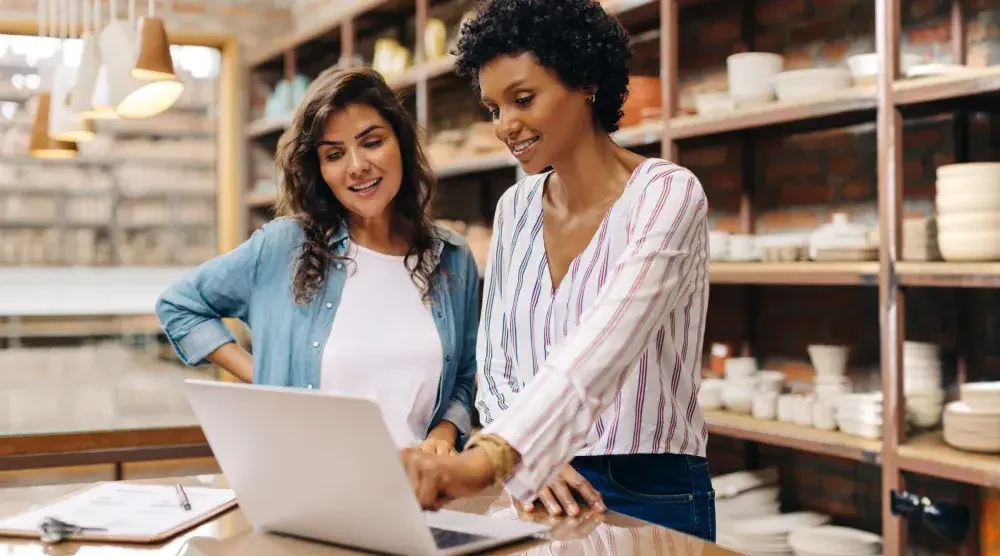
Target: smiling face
[(535, 114), (360, 161)]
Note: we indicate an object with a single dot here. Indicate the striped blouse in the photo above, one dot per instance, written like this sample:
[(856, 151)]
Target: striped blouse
[(609, 362)]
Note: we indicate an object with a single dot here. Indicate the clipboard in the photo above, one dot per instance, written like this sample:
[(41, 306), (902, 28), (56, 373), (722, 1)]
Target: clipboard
[(129, 513)]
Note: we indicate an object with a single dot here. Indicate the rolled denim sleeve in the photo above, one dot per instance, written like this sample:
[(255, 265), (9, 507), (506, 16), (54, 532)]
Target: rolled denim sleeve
[(191, 309), (463, 396)]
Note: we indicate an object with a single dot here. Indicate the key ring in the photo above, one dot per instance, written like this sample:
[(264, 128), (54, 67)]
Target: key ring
[(56, 531)]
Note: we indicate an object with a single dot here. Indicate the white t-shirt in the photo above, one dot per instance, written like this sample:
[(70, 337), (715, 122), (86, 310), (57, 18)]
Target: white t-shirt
[(384, 345)]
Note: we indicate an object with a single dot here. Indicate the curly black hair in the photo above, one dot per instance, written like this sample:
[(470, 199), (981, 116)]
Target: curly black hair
[(583, 44), (304, 196)]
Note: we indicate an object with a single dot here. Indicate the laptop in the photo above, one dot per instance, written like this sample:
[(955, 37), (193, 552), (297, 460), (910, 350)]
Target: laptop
[(323, 466)]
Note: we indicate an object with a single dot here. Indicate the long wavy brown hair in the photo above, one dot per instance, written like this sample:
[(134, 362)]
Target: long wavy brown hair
[(305, 196)]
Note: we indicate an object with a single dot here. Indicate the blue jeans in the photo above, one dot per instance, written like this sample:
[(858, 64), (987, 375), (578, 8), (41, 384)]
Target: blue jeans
[(671, 490)]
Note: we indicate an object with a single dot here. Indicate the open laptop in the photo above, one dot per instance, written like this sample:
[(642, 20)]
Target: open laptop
[(323, 466)]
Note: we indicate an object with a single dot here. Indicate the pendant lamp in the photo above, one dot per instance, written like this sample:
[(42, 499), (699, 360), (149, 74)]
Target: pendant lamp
[(131, 97), (154, 62), (89, 98), (64, 124), (41, 144)]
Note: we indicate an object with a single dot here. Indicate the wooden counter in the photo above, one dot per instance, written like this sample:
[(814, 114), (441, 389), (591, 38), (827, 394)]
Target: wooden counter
[(230, 535)]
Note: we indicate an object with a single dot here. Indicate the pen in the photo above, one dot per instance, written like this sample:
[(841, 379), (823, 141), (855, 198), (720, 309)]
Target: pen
[(182, 498)]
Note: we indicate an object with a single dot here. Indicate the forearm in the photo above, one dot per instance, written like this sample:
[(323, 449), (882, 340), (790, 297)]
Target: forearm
[(233, 359), (444, 430)]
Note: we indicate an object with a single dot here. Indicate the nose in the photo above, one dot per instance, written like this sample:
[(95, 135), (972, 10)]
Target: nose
[(508, 126), (358, 163)]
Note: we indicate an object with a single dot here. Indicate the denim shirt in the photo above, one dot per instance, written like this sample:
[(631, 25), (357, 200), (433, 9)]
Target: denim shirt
[(253, 283)]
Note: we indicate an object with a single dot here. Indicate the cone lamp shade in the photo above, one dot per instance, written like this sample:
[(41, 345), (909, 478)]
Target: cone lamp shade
[(154, 62), (130, 97), (64, 124), (89, 98), (41, 144)]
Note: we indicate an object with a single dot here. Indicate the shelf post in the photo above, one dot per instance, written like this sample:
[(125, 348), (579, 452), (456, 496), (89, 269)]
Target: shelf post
[(423, 109), (668, 74), (347, 42), (891, 297)]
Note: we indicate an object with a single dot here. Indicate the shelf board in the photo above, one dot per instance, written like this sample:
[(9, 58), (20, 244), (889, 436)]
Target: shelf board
[(262, 199), (646, 133), (71, 327), (421, 72), (265, 126), (84, 291), (949, 275), (855, 99), (927, 454), (795, 437), (974, 81), (800, 273), (289, 42), (475, 164)]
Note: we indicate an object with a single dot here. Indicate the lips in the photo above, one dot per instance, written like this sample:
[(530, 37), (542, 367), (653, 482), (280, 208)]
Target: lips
[(365, 188), (521, 148)]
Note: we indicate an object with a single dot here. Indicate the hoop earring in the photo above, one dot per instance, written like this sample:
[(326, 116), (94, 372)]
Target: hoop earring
[(592, 98)]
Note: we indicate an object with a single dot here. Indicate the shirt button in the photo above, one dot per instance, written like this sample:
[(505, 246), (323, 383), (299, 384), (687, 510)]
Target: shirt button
[(315, 344), (309, 386), (340, 266), (447, 358), (329, 305), (439, 314)]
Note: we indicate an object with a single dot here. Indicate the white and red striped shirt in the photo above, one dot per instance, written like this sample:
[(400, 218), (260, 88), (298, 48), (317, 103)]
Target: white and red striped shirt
[(608, 363)]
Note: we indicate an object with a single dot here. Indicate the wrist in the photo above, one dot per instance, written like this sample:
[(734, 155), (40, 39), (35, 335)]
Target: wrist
[(446, 431), (503, 458)]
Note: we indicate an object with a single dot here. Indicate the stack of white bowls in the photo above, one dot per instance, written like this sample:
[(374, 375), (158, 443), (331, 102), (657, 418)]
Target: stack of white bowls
[(968, 211), (766, 535), (746, 494), (718, 245), (860, 414), (743, 247), (750, 76), (922, 384), (740, 384), (832, 540), (973, 423), (830, 362), (809, 83)]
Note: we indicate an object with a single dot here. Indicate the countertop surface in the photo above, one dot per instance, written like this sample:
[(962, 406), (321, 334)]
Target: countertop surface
[(231, 535)]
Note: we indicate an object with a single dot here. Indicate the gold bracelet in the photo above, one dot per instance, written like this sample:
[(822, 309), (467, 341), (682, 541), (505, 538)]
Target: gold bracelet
[(499, 452)]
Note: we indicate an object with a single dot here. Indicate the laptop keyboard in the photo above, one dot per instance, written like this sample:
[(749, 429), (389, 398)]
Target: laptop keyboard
[(445, 538)]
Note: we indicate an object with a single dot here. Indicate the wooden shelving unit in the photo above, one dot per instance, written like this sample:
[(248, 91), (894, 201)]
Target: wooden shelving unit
[(786, 435), (883, 104)]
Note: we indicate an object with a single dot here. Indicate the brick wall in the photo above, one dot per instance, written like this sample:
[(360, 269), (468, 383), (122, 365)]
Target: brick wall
[(252, 20)]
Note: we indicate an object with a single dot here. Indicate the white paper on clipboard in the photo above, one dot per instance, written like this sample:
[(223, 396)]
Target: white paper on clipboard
[(125, 509)]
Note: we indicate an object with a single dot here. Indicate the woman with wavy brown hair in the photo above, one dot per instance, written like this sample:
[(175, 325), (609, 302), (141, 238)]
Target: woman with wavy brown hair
[(353, 288)]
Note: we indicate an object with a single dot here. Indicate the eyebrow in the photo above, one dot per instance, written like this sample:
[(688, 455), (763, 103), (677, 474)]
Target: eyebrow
[(359, 135), (516, 83)]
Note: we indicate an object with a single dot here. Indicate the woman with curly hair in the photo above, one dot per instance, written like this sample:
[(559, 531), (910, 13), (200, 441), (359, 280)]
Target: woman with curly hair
[(353, 288), (596, 287)]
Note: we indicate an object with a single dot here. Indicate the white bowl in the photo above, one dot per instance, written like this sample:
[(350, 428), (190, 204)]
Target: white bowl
[(981, 396), (979, 185), (969, 246), (828, 359), (986, 221), (865, 67), (749, 76), (809, 83), (980, 170), (713, 102), (950, 202)]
